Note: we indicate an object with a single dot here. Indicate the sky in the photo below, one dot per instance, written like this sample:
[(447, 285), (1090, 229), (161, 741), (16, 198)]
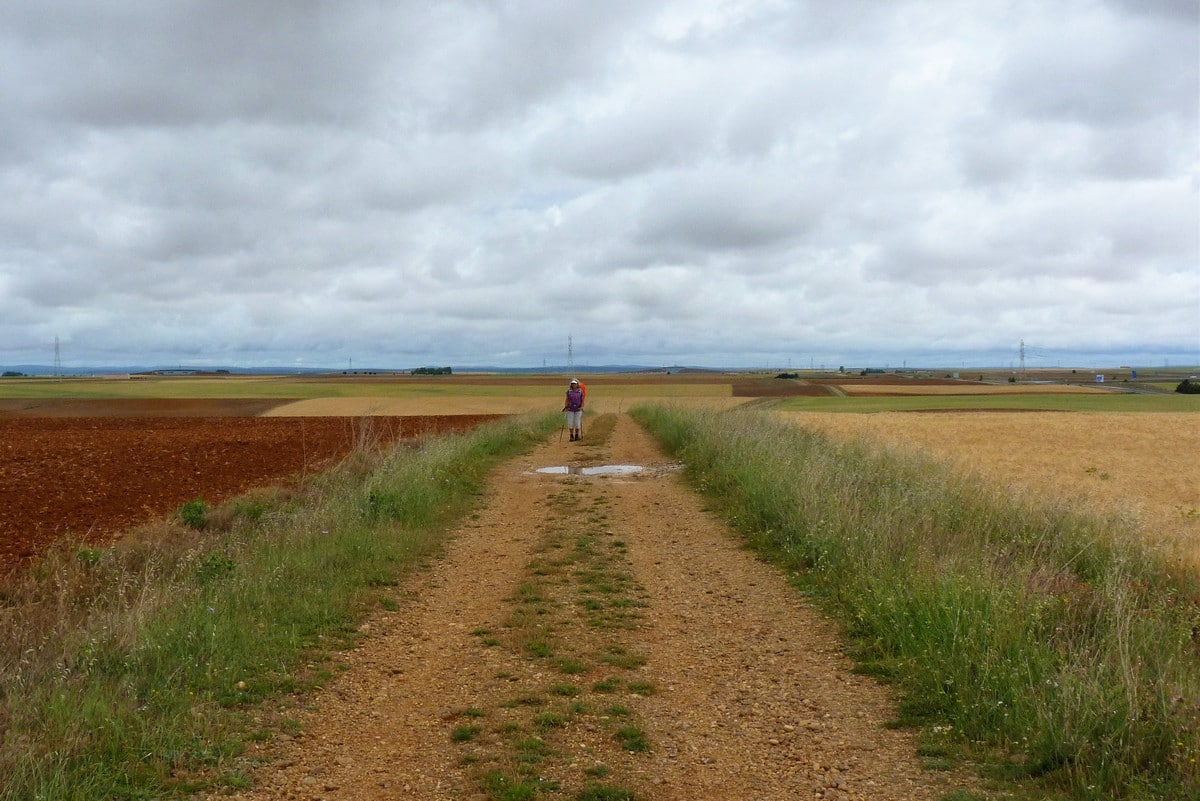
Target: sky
[(720, 183)]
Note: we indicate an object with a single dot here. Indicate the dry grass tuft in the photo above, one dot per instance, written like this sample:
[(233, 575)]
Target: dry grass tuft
[(1138, 465)]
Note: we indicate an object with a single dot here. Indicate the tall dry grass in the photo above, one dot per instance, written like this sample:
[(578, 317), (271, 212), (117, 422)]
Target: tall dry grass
[(1115, 463), (1010, 624)]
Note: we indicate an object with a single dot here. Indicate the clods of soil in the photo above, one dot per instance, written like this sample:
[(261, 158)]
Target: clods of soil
[(92, 477)]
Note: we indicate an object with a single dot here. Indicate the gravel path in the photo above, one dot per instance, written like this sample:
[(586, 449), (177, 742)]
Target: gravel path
[(587, 631)]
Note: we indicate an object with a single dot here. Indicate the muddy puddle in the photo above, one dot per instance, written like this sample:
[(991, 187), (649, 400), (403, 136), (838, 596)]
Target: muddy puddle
[(593, 470)]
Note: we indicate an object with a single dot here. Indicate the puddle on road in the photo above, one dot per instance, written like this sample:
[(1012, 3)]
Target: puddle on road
[(596, 470)]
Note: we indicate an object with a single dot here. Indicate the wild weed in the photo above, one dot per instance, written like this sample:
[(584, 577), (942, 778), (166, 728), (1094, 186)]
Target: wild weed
[(1048, 633), (127, 671)]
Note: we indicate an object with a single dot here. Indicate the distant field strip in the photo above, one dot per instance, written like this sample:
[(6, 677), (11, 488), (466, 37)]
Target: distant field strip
[(966, 388), (512, 394), (255, 387), (1049, 402)]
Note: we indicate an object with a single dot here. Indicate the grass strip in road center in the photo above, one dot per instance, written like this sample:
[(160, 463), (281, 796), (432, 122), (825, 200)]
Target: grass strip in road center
[(1011, 625), (565, 723)]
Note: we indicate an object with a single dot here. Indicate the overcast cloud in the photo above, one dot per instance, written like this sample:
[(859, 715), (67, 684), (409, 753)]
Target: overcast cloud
[(711, 182)]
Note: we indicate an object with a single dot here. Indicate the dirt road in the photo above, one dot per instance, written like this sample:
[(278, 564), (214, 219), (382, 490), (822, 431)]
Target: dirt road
[(597, 631)]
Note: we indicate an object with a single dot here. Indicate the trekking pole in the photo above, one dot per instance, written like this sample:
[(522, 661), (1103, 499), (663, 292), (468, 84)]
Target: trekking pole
[(561, 430)]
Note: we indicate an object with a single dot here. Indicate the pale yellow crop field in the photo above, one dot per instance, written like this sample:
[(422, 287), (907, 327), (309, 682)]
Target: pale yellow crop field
[(1140, 464), (965, 388), (514, 399)]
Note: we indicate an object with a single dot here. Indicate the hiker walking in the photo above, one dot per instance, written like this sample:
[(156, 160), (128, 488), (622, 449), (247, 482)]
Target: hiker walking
[(576, 394)]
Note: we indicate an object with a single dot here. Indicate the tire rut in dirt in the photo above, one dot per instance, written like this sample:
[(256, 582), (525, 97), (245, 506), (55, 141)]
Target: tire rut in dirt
[(599, 633)]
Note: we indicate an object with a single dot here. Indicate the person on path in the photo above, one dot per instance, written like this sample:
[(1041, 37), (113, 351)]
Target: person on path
[(574, 409)]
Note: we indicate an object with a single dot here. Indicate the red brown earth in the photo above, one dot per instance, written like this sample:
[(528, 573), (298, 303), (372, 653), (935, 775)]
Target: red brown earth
[(781, 389), (93, 476)]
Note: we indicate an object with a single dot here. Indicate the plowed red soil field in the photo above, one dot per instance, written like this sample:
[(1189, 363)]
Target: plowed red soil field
[(94, 476)]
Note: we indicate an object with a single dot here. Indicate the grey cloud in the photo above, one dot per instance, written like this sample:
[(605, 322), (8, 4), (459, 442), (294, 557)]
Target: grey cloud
[(852, 23), (725, 209), (625, 144), (410, 181), (1104, 72), (181, 64), (488, 63), (1030, 154), (682, 106), (1178, 11), (1136, 151)]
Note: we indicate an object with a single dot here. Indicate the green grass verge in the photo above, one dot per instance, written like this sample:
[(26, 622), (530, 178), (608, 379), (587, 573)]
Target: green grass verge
[(139, 671), (1048, 643)]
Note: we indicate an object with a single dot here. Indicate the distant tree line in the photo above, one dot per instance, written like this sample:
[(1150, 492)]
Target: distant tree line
[(432, 371), (1188, 387)]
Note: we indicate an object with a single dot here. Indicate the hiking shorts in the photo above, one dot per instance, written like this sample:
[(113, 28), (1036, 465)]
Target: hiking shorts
[(575, 419)]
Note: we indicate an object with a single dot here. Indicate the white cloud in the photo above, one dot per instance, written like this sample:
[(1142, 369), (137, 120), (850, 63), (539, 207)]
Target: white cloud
[(731, 180)]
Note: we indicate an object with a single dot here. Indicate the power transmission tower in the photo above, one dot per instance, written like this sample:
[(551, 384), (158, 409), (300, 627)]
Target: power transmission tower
[(1022, 357), (570, 355), (57, 359)]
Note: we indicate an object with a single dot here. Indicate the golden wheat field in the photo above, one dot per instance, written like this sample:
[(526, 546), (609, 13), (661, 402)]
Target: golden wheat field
[(550, 400), (965, 388), (1138, 464)]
